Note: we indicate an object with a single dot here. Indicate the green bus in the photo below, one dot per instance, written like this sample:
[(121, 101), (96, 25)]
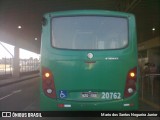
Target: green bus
[(88, 61)]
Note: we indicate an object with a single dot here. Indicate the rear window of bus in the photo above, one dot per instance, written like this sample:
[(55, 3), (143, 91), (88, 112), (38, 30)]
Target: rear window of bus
[(89, 32)]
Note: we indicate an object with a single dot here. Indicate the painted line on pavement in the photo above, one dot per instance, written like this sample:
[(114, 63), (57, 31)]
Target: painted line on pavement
[(14, 92)]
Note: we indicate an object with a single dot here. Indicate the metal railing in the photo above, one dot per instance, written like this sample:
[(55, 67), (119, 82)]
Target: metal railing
[(148, 83), (26, 65), (5, 66)]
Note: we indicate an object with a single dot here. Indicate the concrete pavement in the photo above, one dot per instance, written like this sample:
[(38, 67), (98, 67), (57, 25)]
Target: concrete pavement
[(4, 82)]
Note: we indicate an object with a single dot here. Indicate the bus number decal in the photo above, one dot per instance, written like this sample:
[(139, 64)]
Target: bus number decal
[(111, 95)]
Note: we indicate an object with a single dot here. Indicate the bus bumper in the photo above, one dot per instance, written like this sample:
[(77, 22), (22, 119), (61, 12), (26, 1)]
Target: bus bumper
[(48, 104)]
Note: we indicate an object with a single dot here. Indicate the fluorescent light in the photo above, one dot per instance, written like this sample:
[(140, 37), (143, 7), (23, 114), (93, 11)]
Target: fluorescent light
[(153, 29), (19, 27)]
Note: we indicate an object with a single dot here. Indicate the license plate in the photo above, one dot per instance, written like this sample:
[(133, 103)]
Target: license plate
[(89, 94)]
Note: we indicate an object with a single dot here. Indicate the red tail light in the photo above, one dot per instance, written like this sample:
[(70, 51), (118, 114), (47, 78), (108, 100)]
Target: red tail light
[(48, 83), (130, 87)]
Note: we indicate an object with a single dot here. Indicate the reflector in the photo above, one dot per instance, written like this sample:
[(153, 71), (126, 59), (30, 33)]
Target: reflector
[(60, 105)]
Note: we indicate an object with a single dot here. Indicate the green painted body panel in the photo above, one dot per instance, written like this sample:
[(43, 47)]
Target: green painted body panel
[(73, 73)]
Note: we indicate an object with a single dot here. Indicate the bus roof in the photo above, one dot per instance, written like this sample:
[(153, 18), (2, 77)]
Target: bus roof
[(88, 12)]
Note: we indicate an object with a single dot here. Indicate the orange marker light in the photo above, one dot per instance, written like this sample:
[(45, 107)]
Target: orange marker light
[(132, 74), (47, 75)]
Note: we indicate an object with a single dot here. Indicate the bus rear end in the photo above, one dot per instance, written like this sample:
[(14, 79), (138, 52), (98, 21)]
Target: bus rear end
[(89, 61)]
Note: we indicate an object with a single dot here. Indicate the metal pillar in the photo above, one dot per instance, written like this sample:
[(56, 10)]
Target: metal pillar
[(16, 67)]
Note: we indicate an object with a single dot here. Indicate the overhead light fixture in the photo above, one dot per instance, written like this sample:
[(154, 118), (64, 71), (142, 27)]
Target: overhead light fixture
[(19, 27), (153, 29), (35, 38)]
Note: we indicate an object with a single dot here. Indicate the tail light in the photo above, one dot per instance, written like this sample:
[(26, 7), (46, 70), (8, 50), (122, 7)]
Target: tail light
[(48, 83), (130, 87)]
